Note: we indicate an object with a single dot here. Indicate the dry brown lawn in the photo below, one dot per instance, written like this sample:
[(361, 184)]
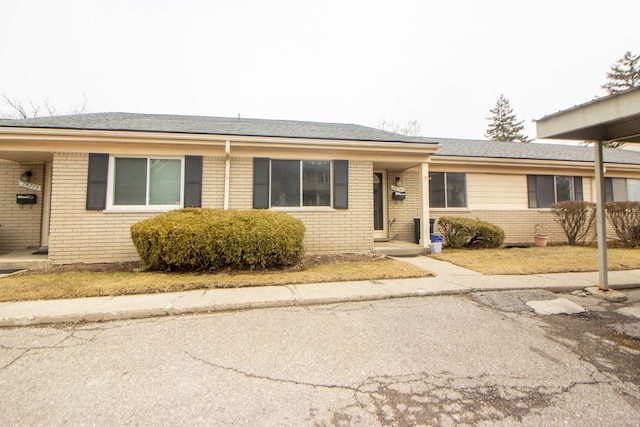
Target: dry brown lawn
[(535, 260), (108, 280)]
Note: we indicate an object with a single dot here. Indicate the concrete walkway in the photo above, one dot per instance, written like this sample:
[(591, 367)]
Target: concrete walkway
[(450, 279)]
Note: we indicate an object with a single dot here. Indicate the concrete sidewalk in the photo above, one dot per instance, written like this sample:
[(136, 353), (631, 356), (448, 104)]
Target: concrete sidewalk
[(450, 279)]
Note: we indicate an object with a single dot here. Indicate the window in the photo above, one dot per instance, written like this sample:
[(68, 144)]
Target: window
[(146, 182), (621, 190), (299, 183), (447, 190), (544, 190), (288, 190), (143, 183)]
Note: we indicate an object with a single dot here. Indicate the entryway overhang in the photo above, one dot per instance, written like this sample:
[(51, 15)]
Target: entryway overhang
[(612, 118)]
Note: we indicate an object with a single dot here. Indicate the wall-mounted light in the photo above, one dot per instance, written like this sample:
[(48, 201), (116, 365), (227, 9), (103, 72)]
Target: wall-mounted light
[(398, 181), (26, 177)]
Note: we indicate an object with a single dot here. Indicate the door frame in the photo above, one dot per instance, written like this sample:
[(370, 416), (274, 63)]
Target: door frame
[(384, 233), (46, 206)]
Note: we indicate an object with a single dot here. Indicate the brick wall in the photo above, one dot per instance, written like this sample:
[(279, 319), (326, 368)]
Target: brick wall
[(78, 235), (507, 208), (19, 225), (240, 183), (213, 182), (402, 212), (520, 225), (327, 230), (343, 230)]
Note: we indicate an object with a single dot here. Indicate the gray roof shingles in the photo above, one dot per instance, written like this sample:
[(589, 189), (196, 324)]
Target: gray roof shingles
[(317, 130), (212, 126), (532, 151)]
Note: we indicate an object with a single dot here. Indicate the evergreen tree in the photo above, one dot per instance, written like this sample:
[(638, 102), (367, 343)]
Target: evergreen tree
[(504, 124), (624, 74)]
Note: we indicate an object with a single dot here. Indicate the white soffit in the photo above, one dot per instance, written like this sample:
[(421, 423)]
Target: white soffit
[(615, 117)]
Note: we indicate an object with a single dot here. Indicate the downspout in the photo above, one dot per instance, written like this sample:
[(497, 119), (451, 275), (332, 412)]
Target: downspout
[(227, 172)]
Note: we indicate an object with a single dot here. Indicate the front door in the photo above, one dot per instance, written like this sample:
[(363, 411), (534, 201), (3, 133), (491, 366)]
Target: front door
[(379, 214)]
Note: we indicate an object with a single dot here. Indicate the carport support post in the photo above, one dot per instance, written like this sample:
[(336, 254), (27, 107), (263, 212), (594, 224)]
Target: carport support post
[(601, 218)]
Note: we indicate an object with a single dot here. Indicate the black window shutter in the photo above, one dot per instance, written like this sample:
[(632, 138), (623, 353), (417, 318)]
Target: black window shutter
[(577, 188), (341, 184), (608, 190), (193, 181), (97, 181), (260, 183), (533, 191)]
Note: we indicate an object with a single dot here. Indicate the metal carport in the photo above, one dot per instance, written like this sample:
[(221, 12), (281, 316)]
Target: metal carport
[(612, 118)]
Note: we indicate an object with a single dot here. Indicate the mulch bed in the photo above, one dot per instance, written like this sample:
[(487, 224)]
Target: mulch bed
[(307, 262)]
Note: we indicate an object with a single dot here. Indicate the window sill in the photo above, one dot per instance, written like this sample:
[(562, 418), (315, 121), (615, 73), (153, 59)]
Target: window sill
[(303, 209), (140, 209), (451, 209)]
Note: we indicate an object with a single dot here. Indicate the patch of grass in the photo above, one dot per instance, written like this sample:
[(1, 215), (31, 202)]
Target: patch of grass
[(535, 260), (77, 284)]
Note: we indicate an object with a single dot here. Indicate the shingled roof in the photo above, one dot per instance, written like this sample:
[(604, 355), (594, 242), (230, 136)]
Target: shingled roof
[(532, 151), (213, 126), (318, 130)]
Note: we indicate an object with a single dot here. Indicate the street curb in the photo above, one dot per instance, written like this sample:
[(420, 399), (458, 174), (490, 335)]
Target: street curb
[(290, 296), (170, 310)]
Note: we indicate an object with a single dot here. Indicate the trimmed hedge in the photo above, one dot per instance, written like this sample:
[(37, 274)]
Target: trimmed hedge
[(470, 233), (196, 239)]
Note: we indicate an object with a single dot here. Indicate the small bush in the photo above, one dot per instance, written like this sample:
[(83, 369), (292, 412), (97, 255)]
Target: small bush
[(575, 217), (457, 231), (465, 232), (624, 217), (487, 236), (204, 239)]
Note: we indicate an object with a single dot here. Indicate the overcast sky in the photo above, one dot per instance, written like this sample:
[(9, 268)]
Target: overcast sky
[(443, 63)]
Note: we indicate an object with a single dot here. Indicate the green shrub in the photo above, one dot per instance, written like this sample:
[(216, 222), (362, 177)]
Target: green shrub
[(624, 217), (575, 217), (209, 239), (470, 233), (487, 236)]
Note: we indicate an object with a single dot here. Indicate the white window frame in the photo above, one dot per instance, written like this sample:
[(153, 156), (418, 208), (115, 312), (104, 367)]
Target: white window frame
[(303, 178), (147, 207), (446, 192)]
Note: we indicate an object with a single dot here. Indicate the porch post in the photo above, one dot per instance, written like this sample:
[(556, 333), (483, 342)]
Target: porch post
[(425, 238), (601, 218)]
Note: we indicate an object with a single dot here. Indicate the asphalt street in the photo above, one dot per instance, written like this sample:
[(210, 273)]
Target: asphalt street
[(474, 359)]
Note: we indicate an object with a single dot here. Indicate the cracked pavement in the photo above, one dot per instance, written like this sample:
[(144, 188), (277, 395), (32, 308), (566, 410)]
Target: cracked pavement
[(447, 360)]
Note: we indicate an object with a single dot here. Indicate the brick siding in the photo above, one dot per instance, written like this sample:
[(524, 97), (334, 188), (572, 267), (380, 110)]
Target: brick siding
[(79, 235), (19, 224)]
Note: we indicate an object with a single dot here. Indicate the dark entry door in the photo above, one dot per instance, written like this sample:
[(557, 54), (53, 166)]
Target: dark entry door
[(378, 205)]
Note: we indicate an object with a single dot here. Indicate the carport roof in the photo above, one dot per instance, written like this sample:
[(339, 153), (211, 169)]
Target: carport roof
[(612, 118)]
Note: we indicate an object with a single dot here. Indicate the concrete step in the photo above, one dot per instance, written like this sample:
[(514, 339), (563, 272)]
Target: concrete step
[(398, 248), (24, 260)]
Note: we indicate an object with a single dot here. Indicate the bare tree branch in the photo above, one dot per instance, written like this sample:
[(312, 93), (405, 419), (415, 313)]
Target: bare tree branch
[(410, 128), (18, 110)]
